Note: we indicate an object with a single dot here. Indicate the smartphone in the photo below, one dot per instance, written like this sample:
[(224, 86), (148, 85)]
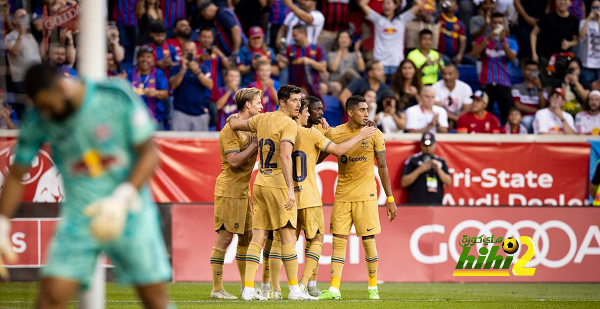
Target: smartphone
[(209, 50), (112, 24), (26, 22), (190, 57), (535, 74), (499, 30)]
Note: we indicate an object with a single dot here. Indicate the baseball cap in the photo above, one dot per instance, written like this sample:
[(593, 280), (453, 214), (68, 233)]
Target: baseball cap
[(387, 94), (560, 92), (145, 49), (427, 139), (204, 4), (256, 32), (158, 28), (480, 95)]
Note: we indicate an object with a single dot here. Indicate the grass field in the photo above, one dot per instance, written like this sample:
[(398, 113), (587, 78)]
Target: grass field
[(394, 295)]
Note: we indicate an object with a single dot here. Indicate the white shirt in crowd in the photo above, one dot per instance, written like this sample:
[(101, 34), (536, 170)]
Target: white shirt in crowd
[(590, 50), (461, 95), (312, 31), (547, 122), (387, 123), (587, 124), (389, 37), (28, 55), (417, 118)]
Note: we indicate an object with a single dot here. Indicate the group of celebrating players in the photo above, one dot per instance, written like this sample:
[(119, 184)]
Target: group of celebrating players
[(289, 143)]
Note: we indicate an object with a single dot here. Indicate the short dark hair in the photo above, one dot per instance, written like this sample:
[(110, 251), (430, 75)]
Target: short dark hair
[(285, 92), (425, 32), (371, 64), (178, 20), (513, 109), (40, 77), (450, 65), (300, 27), (353, 101), (313, 100), (304, 103), (497, 15), (530, 62), (206, 28)]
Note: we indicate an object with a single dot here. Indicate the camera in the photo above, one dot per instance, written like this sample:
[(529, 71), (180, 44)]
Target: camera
[(570, 71), (209, 51), (426, 158), (257, 55), (190, 57), (535, 74)]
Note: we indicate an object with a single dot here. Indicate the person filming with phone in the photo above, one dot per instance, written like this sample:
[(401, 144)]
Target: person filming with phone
[(589, 32), (425, 174)]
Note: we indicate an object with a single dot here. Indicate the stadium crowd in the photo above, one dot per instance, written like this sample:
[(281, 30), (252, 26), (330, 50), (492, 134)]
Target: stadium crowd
[(464, 66)]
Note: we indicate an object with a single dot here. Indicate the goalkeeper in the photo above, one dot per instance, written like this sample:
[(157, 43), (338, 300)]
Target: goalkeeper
[(100, 138)]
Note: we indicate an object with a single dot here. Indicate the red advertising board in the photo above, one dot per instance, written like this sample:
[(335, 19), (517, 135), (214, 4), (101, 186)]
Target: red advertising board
[(483, 173), (422, 244), (31, 239)]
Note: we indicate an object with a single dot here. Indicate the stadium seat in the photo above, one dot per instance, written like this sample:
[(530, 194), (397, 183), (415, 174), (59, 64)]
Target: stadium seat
[(468, 74)]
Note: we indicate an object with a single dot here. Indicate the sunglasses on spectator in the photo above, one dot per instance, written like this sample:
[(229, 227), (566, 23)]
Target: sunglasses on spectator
[(146, 49)]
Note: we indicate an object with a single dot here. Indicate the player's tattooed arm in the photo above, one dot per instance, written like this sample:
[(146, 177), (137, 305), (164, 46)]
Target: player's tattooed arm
[(384, 175)]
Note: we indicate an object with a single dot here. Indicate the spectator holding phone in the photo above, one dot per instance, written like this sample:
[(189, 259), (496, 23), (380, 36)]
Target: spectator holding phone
[(553, 120), (390, 119), (576, 89), (529, 96), (589, 31)]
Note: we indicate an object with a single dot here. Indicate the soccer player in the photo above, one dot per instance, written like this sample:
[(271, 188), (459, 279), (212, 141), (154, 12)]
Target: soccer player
[(356, 196), (307, 148), (233, 210), (274, 199), (101, 139)]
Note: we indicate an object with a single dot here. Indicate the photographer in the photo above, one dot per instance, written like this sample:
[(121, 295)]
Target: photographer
[(589, 32), (425, 174)]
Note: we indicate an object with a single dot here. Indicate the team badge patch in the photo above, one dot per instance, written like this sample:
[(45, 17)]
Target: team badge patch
[(364, 145)]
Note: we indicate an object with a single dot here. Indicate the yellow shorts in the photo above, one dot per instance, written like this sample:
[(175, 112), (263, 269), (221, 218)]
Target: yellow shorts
[(235, 214), (364, 215), (269, 209), (311, 221)]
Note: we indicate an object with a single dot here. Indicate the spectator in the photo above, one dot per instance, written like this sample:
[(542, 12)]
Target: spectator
[(127, 24), (5, 111), (148, 13), (478, 120), (23, 51), (375, 81), (514, 124), (150, 83), (425, 174), (190, 81), (230, 37), (338, 19), (428, 61), (453, 42), (256, 51), (183, 33), (553, 120), (407, 84), (112, 67), (588, 121), (427, 117), (276, 19), (268, 86), (576, 89), (307, 15), (345, 65), (66, 38), (596, 85), (213, 58), (390, 119), (530, 12), (5, 22), (389, 32), (114, 45), (481, 24), (589, 32), (529, 96), (453, 94), (496, 51), (226, 100), (558, 31), (577, 9), (305, 61), (58, 56), (165, 54), (173, 10), (371, 100)]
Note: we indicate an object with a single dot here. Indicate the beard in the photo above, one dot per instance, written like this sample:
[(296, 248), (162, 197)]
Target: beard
[(68, 111), (184, 34)]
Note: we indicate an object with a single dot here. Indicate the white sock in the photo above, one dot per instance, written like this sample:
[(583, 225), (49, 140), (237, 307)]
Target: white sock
[(333, 290), (266, 285), (248, 290), (312, 284), (294, 289), (372, 288)]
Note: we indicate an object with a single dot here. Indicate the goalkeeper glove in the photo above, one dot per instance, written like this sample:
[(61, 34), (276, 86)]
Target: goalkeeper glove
[(5, 246), (109, 213)]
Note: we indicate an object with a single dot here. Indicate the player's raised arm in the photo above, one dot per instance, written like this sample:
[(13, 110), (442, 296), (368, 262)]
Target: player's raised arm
[(340, 149)]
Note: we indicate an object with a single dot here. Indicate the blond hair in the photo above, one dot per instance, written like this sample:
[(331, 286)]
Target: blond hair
[(246, 95)]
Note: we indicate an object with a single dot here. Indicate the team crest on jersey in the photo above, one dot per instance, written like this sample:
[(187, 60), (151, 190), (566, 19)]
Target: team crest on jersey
[(313, 52), (236, 226), (364, 145), (102, 132)]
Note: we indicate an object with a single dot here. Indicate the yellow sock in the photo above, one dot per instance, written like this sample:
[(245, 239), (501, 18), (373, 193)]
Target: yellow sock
[(338, 258), (266, 251), (372, 260), (217, 258), (252, 261), (312, 261), (275, 263), (290, 262), (240, 260)]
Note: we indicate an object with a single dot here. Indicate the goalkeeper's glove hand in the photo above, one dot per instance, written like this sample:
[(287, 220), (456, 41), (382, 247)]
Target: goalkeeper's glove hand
[(6, 252), (110, 213)]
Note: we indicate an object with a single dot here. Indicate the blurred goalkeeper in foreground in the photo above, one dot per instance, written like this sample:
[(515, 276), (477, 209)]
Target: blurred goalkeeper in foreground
[(100, 137)]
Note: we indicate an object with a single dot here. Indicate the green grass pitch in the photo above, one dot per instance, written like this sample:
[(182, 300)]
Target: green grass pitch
[(394, 295)]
